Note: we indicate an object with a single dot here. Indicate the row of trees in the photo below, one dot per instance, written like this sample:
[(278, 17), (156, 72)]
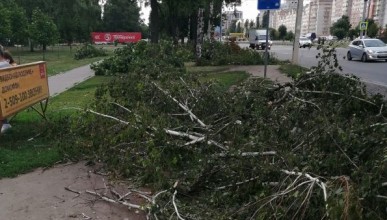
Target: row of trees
[(342, 28), (45, 22)]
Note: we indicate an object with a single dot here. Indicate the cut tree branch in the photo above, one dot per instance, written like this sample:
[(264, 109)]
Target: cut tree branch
[(184, 107)]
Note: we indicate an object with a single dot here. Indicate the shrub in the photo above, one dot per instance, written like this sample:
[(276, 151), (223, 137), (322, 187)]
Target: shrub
[(89, 51), (142, 57), (216, 54)]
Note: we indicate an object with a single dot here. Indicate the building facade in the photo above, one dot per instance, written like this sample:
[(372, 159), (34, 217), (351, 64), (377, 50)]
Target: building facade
[(230, 17)]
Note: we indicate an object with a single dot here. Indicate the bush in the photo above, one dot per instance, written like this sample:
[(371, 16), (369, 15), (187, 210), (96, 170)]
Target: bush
[(144, 58), (89, 51), (216, 54)]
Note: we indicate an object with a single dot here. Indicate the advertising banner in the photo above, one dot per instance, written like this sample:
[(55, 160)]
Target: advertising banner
[(110, 37), (22, 86)]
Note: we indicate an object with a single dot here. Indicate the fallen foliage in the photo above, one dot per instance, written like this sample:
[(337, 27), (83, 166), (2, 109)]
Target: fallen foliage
[(311, 149)]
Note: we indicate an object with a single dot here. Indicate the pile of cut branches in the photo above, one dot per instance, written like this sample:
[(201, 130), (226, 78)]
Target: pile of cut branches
[(311, 149)]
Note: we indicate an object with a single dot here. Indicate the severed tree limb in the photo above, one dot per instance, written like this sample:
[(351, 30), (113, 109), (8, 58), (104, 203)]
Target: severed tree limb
[(237, 184), (73, 191), (108, 116), (107, 199), (121, 106), (381, 197), (175, 206), (184, 107), (249, 154), (336, 93), (305, 101), (316, 180)]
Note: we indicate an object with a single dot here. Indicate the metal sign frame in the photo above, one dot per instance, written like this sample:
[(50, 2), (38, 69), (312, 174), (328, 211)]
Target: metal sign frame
[(269, 4), (363, 26)]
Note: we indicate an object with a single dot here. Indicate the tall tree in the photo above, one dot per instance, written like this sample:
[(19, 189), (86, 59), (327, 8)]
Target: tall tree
[(373, 28), (265, 20), (282, 31), (42, 29), (121, 15), (341, 27), (5, 24)]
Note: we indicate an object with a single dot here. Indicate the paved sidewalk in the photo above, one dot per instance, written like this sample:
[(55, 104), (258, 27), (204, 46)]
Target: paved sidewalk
[(273, 73), (64, 81)]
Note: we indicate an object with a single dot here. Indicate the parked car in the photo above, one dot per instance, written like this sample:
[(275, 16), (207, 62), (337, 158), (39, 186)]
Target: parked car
[(367, 49), (305, 42)]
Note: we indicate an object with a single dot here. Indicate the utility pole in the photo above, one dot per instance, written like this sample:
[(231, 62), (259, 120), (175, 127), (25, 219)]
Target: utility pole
[(362, 33), (267, 44), (296, 46)]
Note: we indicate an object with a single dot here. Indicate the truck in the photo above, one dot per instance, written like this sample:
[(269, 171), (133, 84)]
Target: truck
[(257, 39)]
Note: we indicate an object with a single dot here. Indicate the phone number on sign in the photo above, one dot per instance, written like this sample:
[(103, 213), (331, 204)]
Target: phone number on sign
[(23, 96)]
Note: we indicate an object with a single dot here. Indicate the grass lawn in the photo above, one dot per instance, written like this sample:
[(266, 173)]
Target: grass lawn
[(292, 70), (219, 73), (59, 58), (27, 146)]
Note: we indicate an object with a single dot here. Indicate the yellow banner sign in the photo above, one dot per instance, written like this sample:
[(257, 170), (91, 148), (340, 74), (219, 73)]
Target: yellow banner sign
[(22, 86)]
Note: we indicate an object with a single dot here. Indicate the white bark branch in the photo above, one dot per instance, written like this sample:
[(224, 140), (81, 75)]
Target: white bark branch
[(175, 206), (107, 199), (316, 180), (249, 154), (184, 107), (336, 93)]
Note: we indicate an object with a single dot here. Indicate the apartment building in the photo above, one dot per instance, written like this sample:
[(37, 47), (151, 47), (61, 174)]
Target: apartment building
[(316, 17), (231, 16), (340, 8), (283, 17), (378, 11), (356, 14)]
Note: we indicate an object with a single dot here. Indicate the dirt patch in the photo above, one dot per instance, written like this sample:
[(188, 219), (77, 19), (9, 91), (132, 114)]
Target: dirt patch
[(42, 195), (273, 73)]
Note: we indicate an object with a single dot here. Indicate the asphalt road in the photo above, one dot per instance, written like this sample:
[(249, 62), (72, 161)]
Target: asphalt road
[(371, 72)]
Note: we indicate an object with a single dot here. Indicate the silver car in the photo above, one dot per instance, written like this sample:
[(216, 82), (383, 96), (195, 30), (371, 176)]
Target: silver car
[(305, 42), (367, 49)]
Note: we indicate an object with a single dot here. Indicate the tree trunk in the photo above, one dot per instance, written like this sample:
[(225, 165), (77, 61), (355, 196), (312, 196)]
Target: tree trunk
[(199, 40), (31, 44), (210, 29), (44, 47), (154, 22)]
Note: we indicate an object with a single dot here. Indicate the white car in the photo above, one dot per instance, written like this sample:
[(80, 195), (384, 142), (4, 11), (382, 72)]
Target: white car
[(305, 42), (367, 49)]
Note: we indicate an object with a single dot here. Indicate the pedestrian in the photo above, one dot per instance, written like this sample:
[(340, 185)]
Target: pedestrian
[(3, 64), (8, 57)]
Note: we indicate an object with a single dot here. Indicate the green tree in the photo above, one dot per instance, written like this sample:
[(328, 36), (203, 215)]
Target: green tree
[(290, 36), (282, 31), (252, 24), (274, 34), (373, 28), (5, 24), (353, 33), (75, 19), (121, 15), (233, 27), (42, 29), (265, 20), (341, 27)]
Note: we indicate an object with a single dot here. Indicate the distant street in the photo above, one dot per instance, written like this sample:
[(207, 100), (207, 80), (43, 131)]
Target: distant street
[(370, 72)]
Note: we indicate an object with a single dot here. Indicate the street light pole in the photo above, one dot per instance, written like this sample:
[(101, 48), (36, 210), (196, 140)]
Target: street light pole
[(362, 35), (296, 46)]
